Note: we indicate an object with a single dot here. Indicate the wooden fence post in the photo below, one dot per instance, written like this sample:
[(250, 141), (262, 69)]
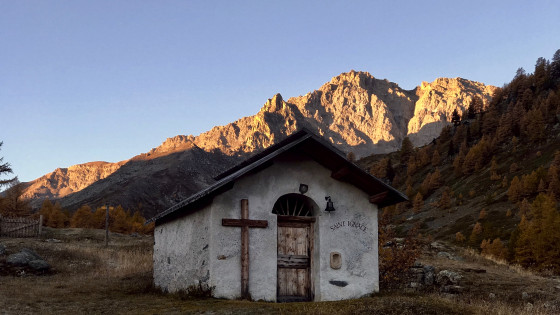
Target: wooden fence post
[(106, 226)]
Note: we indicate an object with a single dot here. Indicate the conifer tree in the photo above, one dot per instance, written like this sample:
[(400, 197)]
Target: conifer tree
[(554, 185), (407, 150), (118, 220), (504, 131), (476, 235), (542, 186), (455, 118), (495, 248), (525, 208), (5, 168), (445, 199), (418, 203), (82, 218), (515, 190), (482, 214), (411, 167), (534, 126), (53, 215), (537, 243), (459, 237), (494, 170), (409, 191), (422, 157), (13, 204), (436, 160), (555, 67), (458, 164), (490, 122)]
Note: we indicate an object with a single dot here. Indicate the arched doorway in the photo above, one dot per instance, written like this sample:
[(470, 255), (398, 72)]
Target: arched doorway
[(295, 247)]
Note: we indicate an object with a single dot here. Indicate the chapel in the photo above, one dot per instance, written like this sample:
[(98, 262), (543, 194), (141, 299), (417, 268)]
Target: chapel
[(296, 222)]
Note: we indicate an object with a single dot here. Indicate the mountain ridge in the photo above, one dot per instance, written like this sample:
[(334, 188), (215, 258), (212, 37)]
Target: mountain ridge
[(354, 111)]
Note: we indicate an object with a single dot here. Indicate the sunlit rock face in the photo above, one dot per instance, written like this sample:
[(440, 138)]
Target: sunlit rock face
[(437, 101), (354, 111), (64, 181)]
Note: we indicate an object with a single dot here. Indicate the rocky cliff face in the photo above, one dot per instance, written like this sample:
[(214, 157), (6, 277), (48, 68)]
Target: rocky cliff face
[(436, 102), (354, 111), (64, 181)]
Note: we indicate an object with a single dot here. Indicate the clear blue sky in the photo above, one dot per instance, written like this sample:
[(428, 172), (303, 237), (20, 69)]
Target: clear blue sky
[(97, 80)]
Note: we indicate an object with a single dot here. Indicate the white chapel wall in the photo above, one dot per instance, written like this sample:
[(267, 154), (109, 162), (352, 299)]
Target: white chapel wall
[(181, 252), (355, 239)]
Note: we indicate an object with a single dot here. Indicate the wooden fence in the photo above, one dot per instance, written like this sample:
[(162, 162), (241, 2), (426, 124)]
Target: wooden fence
[(20, 227)]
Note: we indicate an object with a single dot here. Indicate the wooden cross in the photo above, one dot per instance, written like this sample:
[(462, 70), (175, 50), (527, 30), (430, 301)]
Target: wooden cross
[(245, 223)]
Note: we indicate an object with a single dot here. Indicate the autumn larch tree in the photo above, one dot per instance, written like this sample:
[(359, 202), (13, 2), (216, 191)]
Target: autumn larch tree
[(515, 190), (53, 215), (418, 203), (436, 160), (445, 199), (537, 243), (407, 150), (13, 204), (82, 218), (476, 235)]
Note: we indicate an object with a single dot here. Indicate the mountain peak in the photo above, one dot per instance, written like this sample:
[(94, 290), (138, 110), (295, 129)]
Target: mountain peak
[(273, 104), (353, 78)]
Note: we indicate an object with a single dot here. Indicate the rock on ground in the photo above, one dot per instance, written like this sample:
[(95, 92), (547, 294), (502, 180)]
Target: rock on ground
[(39, 265), (448, 277), (28, 258), (19, 259)]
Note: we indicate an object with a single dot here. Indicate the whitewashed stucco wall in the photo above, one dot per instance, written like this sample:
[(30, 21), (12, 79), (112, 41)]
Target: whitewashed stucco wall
[(181, 252), (185, 240), (358, 248)]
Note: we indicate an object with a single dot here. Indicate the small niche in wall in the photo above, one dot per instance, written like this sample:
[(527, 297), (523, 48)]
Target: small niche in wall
[(336, 260)]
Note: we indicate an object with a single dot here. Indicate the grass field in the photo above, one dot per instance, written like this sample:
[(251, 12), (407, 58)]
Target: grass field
[(89, 278)]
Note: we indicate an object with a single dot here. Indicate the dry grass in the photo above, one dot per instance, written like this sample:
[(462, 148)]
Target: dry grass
[(89, 278)]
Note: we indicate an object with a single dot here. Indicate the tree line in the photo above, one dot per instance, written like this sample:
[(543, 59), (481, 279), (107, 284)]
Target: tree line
[(520, 116), (120, 220)]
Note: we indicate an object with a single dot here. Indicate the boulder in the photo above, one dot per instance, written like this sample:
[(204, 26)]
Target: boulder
[(2, 250), (429, 274), (32, 253), (24, 257), (39, 265), (448, 277), (20, 259), (416, 274)]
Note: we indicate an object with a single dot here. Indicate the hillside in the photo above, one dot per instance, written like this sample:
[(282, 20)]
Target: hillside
[(354, 111), (490, 182)]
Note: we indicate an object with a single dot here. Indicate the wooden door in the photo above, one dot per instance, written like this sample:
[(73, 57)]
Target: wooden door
[(295, 235)]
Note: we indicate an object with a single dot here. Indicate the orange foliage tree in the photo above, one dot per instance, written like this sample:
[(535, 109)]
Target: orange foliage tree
[(53, 215)]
